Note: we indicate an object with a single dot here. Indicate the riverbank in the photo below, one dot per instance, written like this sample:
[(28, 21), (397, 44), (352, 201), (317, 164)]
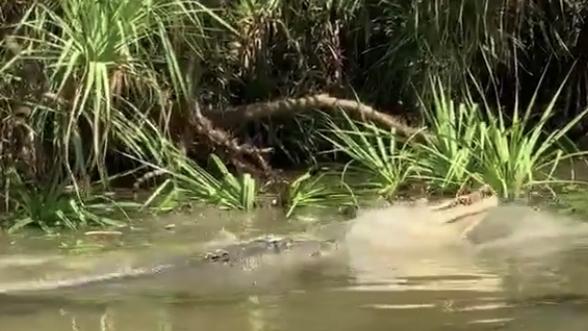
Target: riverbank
[(214, 104)]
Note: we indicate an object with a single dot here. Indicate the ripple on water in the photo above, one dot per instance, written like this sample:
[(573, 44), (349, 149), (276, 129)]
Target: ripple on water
[(513, 287)]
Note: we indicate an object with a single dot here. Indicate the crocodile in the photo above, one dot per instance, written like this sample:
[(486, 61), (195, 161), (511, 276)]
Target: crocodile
[(244, 256), (463, 213)]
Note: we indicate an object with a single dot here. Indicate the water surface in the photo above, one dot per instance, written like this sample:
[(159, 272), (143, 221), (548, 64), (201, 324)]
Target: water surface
[(535, 285)]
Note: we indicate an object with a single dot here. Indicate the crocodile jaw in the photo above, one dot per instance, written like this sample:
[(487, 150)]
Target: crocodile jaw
[(465, 218), (462, 212)]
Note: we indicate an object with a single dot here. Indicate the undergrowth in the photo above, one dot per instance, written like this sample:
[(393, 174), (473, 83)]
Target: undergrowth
[(85, 80), (56, 206)]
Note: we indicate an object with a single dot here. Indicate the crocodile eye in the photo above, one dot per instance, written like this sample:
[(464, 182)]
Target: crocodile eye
[(225, 257), (273, 243), (218, 255), (211, 257)]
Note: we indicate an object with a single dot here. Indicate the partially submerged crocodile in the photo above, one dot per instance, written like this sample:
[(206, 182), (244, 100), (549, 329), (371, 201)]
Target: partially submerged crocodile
[(242, 259), (463, 214)]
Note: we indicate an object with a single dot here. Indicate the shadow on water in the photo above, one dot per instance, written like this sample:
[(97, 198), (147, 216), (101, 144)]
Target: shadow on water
[(383, 277)]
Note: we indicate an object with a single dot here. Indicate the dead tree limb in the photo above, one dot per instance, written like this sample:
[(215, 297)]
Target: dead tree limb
[(243, 156), (240, 115)]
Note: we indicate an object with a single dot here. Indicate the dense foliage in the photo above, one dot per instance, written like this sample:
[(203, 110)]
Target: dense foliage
[(94, 94)]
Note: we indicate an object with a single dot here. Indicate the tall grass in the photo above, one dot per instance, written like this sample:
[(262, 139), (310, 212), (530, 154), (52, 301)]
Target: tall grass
[(375, 153), (448, 155), (96, 52), (325, 190), (185, 180), (476, 144), (520, 154), (468, 145), (56, 206), (423, 38)]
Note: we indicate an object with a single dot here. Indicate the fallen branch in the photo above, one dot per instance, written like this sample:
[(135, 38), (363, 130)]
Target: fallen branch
[(244, 156), (240, 115)]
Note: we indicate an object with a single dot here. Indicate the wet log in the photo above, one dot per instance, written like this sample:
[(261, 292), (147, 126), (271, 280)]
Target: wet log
[(288, 107)]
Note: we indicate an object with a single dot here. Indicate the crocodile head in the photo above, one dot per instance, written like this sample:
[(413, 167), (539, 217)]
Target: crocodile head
[(270, 246), (466, 213)]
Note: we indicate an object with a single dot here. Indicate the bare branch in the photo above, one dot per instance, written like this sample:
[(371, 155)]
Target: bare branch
[(239, 115)]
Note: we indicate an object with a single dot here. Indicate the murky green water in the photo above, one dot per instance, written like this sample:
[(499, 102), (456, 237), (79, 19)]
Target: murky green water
[(512, 287)]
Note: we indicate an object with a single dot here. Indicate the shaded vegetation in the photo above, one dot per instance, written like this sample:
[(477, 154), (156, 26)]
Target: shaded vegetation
[(192, 97)]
